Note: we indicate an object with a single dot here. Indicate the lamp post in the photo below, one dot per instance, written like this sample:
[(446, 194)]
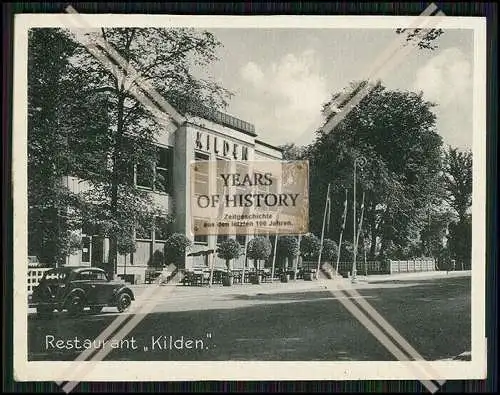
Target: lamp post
[(359, 161), (327, 205)]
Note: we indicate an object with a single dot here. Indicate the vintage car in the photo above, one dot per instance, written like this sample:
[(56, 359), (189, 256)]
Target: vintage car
[(73, 289)]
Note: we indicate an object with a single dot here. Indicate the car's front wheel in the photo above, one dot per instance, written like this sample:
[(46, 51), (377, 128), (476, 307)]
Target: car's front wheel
[(75, 305), (123, 302)]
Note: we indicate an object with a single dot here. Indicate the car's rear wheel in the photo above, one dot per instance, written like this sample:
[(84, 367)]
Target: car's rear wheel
[(75, 305), (95, 309), (44, 311), (123, 302)]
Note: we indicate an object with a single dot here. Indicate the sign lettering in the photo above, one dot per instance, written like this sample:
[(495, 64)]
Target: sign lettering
[(208, 143)]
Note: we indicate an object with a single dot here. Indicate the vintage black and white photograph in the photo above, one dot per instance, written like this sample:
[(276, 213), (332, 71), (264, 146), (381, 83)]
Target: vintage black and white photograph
[(383, 116)]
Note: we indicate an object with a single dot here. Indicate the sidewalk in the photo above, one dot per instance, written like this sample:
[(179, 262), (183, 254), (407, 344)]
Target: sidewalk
[(183, 291), (417, 276), (194, 295), (247, 289)]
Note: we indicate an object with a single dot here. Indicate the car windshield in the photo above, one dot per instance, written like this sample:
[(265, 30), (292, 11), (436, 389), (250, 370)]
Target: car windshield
[(56, 275)]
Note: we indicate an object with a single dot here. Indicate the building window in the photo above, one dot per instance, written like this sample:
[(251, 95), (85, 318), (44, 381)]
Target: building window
[(163, 174), (199, 239), (241, 239), (145, 176), (86, 243), (222, 167), (144, 231), (156, 176), (201, 182), (162, 229), (201, 175), (221, 238)]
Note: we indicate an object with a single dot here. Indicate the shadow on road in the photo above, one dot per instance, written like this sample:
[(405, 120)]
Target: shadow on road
[(435, 320)]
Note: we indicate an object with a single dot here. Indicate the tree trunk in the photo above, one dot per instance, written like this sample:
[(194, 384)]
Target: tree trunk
[(373, 233), (228, 278), (285, 276), (113, 250)]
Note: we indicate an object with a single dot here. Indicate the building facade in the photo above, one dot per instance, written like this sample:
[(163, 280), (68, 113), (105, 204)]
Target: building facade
[(215, 137)]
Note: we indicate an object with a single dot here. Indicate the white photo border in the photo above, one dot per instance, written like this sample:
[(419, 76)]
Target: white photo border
[(25, 370)]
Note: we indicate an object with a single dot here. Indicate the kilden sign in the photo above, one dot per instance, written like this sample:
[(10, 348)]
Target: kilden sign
[(219, 146)]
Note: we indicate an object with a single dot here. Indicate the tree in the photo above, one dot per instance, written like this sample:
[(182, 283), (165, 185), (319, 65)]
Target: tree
[(398, 187), (175, 249), (309, 246), (434, 233), (291, 151), (330, 250), (258, 249), (52, 208), (460, 242), (458, 181), (164, 58), (423, 38), (287, 249), (228, 250), (458, 186)]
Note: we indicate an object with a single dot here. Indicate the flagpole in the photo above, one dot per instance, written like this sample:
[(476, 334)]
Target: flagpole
[(360, 161), (327, 204), (341, 233), (361, 219), (274, 255), (360, 223), (299, 258)]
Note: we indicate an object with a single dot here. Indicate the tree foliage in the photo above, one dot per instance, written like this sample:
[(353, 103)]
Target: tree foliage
[(422, 38), (86, 121), (309, 246), (291, 151), (458, 180), (175, 248), (52, 208), (398, 186), (330, 250), (287, 247), (229, 249), (259, 248), (460, 241)]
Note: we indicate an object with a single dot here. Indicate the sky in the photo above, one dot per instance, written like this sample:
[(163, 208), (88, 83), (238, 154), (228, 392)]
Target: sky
[(281, 77)]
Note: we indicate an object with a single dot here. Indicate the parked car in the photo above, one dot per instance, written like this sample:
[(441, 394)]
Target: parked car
[(73, 289)]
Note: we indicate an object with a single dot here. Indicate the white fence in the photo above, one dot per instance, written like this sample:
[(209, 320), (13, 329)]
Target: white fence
[(412, 266), (382, 267), (34, 277)]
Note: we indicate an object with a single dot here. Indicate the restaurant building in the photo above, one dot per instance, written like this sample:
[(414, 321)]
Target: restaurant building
[(207, 136)]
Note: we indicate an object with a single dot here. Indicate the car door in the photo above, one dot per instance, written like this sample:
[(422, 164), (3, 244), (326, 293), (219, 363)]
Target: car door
[(102, 288), (83, 280)]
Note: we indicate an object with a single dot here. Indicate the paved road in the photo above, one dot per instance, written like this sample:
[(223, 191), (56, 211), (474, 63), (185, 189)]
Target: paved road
[(295, 321)]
